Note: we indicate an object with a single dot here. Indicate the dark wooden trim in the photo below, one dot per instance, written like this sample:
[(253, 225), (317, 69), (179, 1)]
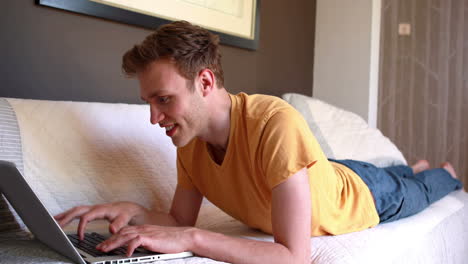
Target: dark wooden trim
[(133, 18)]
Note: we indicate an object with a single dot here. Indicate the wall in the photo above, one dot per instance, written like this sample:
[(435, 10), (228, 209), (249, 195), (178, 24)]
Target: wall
[(347, 52), (52, 54), (423, 97)]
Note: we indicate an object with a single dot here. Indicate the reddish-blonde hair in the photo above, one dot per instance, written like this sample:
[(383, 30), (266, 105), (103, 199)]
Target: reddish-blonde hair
[(191, 47)]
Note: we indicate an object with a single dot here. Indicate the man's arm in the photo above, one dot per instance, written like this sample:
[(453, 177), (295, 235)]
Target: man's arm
[(291, 219), (184, 210)]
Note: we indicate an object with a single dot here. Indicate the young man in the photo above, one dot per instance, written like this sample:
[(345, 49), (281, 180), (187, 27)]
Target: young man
[(255, 158)]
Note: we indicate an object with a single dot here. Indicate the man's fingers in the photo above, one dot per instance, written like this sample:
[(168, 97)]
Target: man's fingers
[(130, 229), (118, 214), (59, 216), (115, 241), (82, 227), (66, 217), (133, 244), (120, 222), (95, 213)]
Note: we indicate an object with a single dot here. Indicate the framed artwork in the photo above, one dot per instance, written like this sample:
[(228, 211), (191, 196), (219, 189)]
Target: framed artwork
[(235, 21)]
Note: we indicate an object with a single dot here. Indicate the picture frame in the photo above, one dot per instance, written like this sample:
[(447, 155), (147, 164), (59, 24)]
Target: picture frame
[(132, 14)]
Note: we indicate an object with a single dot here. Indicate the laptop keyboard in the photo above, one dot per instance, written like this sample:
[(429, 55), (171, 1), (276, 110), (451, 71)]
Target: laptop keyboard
[(89, 243)]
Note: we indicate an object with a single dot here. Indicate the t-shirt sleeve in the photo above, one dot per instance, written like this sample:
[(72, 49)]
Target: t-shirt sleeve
[(183, 179), (287, 146)]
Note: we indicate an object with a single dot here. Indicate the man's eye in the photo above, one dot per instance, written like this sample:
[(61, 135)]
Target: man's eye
[(163, 99)]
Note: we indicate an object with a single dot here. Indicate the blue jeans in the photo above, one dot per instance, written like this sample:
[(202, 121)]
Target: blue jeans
[(398, 192)]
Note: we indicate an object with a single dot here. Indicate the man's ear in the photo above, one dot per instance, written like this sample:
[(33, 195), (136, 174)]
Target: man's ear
[(207, 80)]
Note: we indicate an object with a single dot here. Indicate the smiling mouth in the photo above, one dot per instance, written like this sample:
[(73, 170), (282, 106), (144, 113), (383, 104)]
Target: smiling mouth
[(170, 130)]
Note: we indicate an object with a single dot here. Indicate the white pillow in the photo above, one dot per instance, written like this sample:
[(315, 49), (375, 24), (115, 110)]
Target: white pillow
[(346, 134)]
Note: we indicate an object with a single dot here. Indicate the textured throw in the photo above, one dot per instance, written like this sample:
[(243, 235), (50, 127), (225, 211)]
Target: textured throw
[(10, 150), (78, 153)]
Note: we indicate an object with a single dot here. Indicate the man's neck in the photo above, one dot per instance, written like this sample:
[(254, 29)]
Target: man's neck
[(219, 121)]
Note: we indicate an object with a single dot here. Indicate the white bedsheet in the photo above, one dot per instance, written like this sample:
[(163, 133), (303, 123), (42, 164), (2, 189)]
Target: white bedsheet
[(437, 234), (387, 243), (392, 242)]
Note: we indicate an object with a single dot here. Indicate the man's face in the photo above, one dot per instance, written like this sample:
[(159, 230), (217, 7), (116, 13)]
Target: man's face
[(175, 103)]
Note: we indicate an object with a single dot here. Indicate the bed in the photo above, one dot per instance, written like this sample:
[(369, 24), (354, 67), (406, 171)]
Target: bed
[(68, 151)]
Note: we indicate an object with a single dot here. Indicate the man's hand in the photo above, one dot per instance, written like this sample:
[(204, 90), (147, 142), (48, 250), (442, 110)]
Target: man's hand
[(119, 214), (155, 238), (184, 211)]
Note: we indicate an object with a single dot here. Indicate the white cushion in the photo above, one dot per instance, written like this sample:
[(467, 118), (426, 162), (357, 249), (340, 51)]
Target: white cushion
[(346, 134)]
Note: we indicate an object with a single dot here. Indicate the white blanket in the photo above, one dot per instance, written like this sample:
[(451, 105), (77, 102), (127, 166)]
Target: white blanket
[(386, 243), (382, 244), (439, 234)]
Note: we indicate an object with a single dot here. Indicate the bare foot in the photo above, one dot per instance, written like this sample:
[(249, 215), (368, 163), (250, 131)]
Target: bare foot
[(419, 166), (448, 167)]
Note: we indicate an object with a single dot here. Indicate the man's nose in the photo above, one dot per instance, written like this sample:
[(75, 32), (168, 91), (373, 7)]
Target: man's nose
[(156, 115)]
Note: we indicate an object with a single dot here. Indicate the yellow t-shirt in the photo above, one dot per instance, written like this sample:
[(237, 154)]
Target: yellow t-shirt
[(268, 142)]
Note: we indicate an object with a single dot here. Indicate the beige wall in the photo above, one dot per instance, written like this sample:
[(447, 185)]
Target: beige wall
[(346, 55), (423, 96)]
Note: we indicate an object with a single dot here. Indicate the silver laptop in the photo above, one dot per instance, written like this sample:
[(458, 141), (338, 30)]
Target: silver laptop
[(44, 227)]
